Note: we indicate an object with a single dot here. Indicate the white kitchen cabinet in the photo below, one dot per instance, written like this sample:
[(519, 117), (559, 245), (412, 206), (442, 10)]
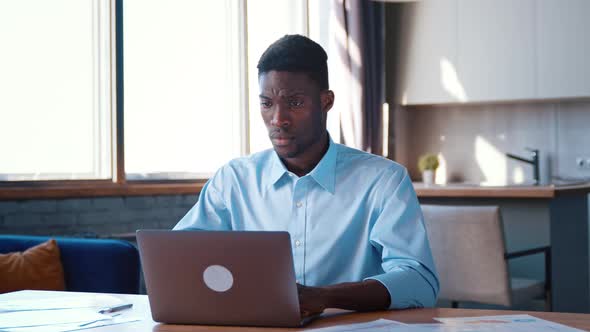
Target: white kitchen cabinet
[(496, 49), (563, 48), (430, 29)]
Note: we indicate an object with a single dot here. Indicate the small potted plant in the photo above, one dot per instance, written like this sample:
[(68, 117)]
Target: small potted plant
[(427, 164)]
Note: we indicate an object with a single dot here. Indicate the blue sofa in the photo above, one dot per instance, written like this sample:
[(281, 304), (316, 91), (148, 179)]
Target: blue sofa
[(90, 265)]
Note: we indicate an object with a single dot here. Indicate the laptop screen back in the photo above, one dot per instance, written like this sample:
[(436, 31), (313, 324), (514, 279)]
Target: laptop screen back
[(220, 278)]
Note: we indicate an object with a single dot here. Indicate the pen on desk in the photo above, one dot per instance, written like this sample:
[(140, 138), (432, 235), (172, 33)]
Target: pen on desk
[(115, 308)]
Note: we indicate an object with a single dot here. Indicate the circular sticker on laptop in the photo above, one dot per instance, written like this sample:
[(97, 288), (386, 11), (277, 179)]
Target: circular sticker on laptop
[(218, 278)]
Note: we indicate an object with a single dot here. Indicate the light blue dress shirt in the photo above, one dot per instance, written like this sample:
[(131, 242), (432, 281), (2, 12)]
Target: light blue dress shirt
[(354, 217)]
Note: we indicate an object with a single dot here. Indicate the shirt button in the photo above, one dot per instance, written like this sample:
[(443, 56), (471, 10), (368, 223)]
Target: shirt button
[(299, 204), (297, 243)]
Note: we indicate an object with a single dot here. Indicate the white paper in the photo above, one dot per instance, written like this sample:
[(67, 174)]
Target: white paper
[(502, 319), (62, 302), (462, 328), (48, 317), (507, 323), (73, 326), (380, 325), (511, 323)]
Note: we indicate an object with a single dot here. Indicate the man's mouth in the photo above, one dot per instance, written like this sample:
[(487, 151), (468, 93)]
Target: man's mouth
[(281, 140)]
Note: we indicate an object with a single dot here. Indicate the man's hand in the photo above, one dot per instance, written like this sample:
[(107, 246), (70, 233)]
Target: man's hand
[(360, 296), (311, 300)]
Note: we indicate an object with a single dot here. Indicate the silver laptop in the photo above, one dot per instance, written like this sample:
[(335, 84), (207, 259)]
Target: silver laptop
[(220, 278)]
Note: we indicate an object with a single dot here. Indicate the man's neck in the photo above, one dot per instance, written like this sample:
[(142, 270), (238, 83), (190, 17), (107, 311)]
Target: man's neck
[(305, 164)]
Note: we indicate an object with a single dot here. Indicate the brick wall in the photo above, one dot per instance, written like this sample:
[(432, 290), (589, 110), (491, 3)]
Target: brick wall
[(97, 216)]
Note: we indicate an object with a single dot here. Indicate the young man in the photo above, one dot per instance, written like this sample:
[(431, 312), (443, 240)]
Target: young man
[(359, 240)]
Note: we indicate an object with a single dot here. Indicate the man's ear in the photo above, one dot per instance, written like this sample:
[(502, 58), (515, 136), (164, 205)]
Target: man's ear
[(327, 98)]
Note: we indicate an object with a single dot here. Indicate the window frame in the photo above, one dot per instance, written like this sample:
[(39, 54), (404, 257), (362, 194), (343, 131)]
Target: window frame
[(118, 185)]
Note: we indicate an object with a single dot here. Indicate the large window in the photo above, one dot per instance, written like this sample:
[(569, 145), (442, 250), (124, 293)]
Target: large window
[(54, 90), (182, 87), (186, 74), (186, 79)]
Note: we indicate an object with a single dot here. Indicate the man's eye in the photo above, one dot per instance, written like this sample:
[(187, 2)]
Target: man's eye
[(296, 103), (265, 104)]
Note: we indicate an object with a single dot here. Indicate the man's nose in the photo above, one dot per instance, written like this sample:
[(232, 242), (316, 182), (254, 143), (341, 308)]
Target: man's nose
[(280, 117)]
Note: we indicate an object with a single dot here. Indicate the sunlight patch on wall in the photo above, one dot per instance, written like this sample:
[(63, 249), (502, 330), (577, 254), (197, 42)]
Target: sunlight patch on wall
[(518, 175), (404, 98), (491, 162), (450, 80), (441, 172)]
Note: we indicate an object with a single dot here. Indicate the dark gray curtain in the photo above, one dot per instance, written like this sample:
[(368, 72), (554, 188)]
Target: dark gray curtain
[(360, 47)]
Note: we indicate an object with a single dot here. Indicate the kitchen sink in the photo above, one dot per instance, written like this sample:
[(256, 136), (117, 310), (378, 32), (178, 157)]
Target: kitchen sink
[(569, 182)]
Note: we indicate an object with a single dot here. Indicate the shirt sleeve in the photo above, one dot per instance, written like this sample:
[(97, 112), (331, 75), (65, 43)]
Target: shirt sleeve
[(400, 236), (210, 213)]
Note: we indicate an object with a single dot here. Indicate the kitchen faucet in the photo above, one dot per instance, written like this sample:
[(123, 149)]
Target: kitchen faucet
[(534, 161)]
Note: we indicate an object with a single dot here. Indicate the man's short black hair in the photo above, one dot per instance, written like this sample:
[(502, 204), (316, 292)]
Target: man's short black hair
[(296, 53)]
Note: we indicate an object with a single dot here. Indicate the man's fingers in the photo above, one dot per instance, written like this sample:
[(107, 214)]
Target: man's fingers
[(310, 303), (307, 313)]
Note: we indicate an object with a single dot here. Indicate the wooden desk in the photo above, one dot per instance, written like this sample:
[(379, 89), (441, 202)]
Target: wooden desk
[(333, 317)]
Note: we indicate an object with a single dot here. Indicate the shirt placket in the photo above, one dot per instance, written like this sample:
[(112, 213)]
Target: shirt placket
[(298, 231)]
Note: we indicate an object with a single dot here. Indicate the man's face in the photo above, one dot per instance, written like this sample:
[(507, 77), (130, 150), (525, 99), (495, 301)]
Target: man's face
[(294, 110)]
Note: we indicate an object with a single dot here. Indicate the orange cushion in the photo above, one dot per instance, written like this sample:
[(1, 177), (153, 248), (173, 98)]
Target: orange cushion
[(38, 267)]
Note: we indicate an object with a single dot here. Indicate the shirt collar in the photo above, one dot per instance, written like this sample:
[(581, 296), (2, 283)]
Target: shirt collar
[(277, 169), (324, 172)]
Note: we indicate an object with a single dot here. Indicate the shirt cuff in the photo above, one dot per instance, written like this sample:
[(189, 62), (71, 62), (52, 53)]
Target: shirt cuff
[(407, 288)]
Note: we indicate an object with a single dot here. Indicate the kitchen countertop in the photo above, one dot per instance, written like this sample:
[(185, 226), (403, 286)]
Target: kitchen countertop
[(467, 190)]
